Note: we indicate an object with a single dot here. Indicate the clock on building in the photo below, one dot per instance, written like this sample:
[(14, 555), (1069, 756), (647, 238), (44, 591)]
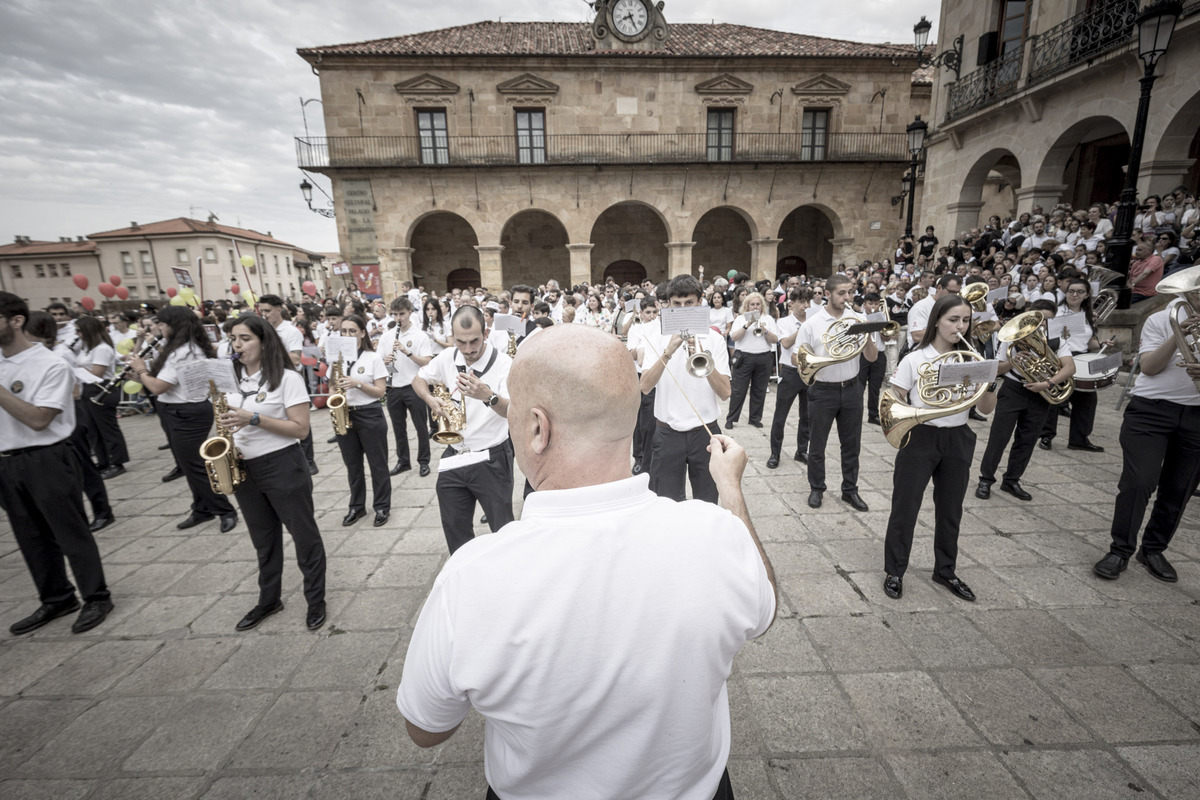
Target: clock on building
[(629, 25)]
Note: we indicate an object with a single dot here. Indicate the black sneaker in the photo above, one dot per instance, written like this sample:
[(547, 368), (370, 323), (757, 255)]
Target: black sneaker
[(46, 613)]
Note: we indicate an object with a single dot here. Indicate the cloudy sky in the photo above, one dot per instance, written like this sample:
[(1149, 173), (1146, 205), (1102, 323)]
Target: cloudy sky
[(120, 110)]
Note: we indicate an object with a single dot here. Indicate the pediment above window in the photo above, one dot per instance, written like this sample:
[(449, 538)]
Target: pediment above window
[(426, 84), (527, 84), (724, 85), (821, 85)]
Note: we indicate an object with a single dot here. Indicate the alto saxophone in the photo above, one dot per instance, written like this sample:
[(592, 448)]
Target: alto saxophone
[(221, 458), (449, 427), (336, 404)]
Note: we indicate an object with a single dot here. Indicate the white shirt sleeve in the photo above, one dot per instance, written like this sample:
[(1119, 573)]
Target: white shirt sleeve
[(427, 696), (293, 389)]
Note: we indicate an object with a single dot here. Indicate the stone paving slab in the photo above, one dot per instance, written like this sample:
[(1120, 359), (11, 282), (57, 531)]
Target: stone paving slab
[(1053, 685)]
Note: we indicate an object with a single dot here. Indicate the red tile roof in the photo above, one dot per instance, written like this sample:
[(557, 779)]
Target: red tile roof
[(38, 248), (575, 39), (188, 226)]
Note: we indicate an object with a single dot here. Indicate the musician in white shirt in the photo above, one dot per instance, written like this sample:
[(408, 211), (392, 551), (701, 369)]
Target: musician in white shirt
[(754, 338), (94, 365), (791, 389), (405, 349), (364, 382)]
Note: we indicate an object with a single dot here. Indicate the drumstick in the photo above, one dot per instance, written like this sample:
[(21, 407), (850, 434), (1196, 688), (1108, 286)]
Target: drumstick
[(667, 370)]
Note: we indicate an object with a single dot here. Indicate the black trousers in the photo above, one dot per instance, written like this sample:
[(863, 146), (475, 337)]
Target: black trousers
[(103, 431), (1019, 410), (724, 790), (278, 493), (677, 454), (870, 375), (367, 436), (401, 402), (1160, 443), (490, 483), (306, 447), (1083, 418), (789, 390), (752, 372), (93, 484), (41, 492), (643, 433), (943, 455), (187, 426), (827, 403)]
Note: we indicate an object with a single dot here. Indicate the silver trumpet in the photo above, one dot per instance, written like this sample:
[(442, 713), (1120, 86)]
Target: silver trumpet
[(699, 362)]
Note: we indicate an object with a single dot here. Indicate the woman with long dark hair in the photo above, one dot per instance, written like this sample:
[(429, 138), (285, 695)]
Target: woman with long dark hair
[(364, 382), (433, 325), (269, 418), (939, 450), (1078, 300), (95, 364), (187, 418)]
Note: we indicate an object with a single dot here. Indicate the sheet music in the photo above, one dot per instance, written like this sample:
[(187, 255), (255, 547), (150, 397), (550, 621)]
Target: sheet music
[(692, 320), (633, 305), (345, 346), (997, 294), (1071, 326), (975, 373), (984, 316), (1099, 366), (876, 317), (508, 323), (195, 375)]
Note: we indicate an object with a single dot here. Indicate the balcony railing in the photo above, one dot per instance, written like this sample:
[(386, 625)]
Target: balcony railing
[(986, 85), (1097, 30), (588, 149)]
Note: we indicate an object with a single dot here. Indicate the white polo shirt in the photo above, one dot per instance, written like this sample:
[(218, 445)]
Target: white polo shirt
[(786, 327), (415, 341), (670, 405), (43, 379), (749, 343), (602, 670), (368, 368), (1077, 344), (918, 317), (905, 378), (485, 428), (252, 440), (814, 327), (637, 332), (1173, 382), (170, 374), (101, 355), (293, 339)]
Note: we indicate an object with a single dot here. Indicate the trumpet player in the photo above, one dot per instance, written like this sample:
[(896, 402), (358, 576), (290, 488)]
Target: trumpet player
[(754, 338), (835, 395), (940, 450), (406, 349)]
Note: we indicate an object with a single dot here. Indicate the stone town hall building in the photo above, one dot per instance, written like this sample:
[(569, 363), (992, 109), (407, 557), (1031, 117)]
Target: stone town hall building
[(498, 153)]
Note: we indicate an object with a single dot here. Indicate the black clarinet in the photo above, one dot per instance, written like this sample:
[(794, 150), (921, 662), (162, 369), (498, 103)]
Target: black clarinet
[(116, 380)]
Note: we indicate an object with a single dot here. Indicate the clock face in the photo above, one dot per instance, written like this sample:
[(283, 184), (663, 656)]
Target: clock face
[(629, 17)]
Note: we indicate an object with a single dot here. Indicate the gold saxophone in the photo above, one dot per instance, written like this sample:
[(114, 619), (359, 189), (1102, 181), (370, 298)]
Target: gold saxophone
[(336, 404), (450, 427), (221, 458), (512, 345)]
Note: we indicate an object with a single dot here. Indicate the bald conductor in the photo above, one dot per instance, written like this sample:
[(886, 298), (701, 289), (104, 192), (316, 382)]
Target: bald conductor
[(601, 671)]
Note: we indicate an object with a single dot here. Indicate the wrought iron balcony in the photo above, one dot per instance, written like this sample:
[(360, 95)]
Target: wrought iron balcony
[(590, 149), (1090, 33), (988, 84)]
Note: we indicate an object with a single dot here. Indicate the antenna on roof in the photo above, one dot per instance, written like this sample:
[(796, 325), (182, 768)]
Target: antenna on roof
[(212, 217)]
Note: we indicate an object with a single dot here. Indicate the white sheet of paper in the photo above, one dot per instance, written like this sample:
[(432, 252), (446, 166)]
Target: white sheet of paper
[(997, 294), (974, 372), (344, 346), (692, 320), (751, 317), (984, 316), (1099, 366), (195, 376), (459, 460), (508, 323), (1073, 326), (633, 305), (876, 317)]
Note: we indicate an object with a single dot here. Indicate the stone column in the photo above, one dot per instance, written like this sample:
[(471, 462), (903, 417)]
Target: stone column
[(1047, 196), (964, 216), (398, 267), (1160, 177), (679, 258), (491, 271), (581, 262), (840, 246), (764, 255)]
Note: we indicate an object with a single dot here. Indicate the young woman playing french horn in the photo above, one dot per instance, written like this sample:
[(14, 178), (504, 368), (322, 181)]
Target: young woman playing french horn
[(940, 449)]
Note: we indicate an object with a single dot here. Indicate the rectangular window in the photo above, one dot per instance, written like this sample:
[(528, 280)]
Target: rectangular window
[(41, 270), (531, 136), (720, 134), (181, 255), (53, 270), (147, 262), (151, 291), (233, 265), (435, 143), (16, 271), (210, 254), (133, 292), (1011, 26), (814, 130), (66, 270), (276, 264), (287, 260), (126, 262)]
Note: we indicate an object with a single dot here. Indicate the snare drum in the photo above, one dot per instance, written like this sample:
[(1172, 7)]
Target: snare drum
[(1088, 381)]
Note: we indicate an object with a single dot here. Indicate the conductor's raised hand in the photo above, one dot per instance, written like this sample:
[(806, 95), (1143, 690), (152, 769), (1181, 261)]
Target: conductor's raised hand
[(726, 462)]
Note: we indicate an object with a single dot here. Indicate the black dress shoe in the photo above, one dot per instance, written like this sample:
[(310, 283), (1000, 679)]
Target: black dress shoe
[(166, 446), (855, 501), (983, 491), (94, 612), (396, 470), (893, 586), (1157, 565), (112, 472), (332, 439), (173, 475), (955, 586), (46, 612), (801, 457), (1014, 488), (228, 522), (101, 522), (1064, 411), (814, 499), (1110, 567), (1089, 447), (756, 424), (424, 471), (1044, 443), (872, 421), (773, 462), (313, 469), (975, 415), (354, 516), (257, 614), (316, 616), (193, 520), (381, 518)]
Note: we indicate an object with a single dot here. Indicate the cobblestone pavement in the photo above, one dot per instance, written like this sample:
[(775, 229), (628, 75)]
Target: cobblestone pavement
[(1053, 685)]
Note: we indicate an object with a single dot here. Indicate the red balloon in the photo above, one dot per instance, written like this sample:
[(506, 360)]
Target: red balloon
[(115, 280), (107, 289), (88, 303), (235, 289), (81, 281), (308, 361), (309, 288), (172, 291), (319, 402), (322, 370), (122, 293)]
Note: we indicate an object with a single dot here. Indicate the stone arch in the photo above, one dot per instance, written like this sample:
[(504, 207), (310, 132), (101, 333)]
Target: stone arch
[(1087, 159), (1180, 144), (808, 233), (989, 187), (462, 278), (442, 243), (535, 249), (722, 236), (630, 231), (623, 272)]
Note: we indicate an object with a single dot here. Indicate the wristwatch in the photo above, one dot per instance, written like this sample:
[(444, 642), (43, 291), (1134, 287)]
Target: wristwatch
[(254, 419), (493, 400)]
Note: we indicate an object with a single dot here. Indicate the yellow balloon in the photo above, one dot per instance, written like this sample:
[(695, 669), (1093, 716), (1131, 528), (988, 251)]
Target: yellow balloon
[(131, 387), (247, 261), (187, 292), (127, 346), (178, 300), (250, 297)]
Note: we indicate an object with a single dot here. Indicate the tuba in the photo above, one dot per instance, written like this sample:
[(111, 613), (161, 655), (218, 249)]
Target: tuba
[(1181, 283), (1031, 356), (897, 418), (222, 460), (840, 345), (976, 294), (336, 403), (450, 427), (1105, 301)]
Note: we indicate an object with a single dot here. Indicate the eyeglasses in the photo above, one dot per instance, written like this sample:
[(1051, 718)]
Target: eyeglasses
[(1076, 291)]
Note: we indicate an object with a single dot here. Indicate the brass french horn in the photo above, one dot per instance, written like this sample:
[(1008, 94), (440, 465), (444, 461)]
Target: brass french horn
[(840, 345), (897, 418)]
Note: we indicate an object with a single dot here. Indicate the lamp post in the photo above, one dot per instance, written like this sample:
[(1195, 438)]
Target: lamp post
[(916, 142), (1155, 25), (950, 59), (306, 189)]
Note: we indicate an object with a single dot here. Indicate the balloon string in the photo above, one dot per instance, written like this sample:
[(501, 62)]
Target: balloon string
[(667, 370)]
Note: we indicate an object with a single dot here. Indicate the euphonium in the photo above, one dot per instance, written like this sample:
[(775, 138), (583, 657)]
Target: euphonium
[(450, 427), (976, 295), (1031, 356), (336, 403), (840, 345), (1181, 283), (897, 418), (699, 362), (221, 458), (1105, 301)]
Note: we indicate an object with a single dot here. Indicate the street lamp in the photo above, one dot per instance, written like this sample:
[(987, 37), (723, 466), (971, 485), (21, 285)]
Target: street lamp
[(916, 143), (1155, 24), (950, 59), (306, 189)]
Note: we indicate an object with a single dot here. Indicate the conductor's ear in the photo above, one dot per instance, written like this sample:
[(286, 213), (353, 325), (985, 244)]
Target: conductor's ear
[(539, 431)]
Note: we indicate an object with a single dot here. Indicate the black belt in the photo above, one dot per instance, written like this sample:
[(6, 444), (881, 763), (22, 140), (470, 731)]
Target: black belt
[(662, 424), (841, 385), (20, 451)]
